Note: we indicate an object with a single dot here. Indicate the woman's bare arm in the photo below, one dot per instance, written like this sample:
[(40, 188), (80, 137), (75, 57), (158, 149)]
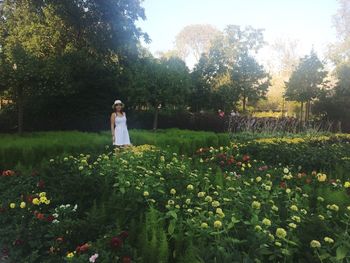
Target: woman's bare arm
[(112, 125)]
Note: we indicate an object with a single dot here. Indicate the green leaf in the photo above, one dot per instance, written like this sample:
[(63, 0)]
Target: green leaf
[(341, 252), (171, 227), (172, 214)]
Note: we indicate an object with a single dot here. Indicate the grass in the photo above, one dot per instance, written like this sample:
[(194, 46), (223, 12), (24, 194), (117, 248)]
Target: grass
[(31, 149)]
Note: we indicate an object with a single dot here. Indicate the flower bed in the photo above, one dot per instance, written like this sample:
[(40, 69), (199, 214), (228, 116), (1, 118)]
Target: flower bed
[(150, 205)]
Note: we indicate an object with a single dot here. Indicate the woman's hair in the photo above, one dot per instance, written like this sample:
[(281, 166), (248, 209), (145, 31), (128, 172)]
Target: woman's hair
[(121, 109)]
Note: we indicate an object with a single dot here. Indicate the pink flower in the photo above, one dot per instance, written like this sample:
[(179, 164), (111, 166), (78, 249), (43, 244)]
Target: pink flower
[(93, 258)]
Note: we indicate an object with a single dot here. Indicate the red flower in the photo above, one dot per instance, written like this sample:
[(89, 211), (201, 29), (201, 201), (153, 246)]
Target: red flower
[(82, 248), (263, 168), (8, 173), (40, 216), (124, 234), (50, 218), (41, 184), (126, 259), (116, 242), (246, 158), (283, 185), (30, 198)]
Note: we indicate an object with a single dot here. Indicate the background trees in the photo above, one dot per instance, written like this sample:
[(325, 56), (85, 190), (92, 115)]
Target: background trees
[(306, 82)]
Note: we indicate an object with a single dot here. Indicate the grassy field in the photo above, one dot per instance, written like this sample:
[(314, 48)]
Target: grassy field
[(32, 148)]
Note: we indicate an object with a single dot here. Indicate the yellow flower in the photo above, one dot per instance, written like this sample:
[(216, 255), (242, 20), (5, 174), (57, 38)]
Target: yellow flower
[(258, 179), (43, 199), (292, 225), (288, 191), (296, 219), (190, 187), (333, 207), (81, 168), (294, 208), (47, 202), (201, 194), (256, 205), (278, 244), (271, 237), (281, 233), (172, 191), (315, 244), (217, 224), (22, 205), (36, 201), (321, 217), (258, 228), (274, 208), (348, 208), (12, 205), (218, 211), (188, 201), (266, 222), (70, 255), (208, 198), (321, 177), (204, 225), (328, 240), (215, 204), (42, 194), (171, 202), (347, 184), (286, 170), (267, 187), (145, 193), (319, 198)]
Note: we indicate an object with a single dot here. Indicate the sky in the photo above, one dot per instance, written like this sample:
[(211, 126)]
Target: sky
[(308, 21)]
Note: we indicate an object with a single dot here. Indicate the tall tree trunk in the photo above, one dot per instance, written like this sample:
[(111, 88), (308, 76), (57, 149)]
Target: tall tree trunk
[(301, 111), (155, 119), (244, 102), (308, 110), (20, 109)]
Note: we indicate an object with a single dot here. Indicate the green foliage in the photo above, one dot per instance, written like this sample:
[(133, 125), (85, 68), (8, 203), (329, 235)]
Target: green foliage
[(305, 82), (33, 149)]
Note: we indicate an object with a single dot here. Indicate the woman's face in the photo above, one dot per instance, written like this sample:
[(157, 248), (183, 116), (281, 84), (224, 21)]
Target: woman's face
[(118, 107)]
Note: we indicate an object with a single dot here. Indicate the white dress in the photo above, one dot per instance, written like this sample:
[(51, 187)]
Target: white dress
[(121, 133)]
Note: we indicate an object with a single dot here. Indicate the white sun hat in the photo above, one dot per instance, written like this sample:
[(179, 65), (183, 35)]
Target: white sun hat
[(117, 102)]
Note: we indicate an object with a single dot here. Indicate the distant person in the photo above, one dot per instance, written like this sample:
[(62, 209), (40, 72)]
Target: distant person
[(221, 113), (120, 133)]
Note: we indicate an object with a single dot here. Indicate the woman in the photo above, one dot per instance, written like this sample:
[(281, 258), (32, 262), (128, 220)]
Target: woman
[(120, 134)]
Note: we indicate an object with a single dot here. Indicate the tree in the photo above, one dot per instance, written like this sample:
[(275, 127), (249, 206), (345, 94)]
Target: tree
[(43, 44), (250, 79), (306, 82), (334, 103), (194, 40), (340, 51), (225, 52), (160, 83)]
